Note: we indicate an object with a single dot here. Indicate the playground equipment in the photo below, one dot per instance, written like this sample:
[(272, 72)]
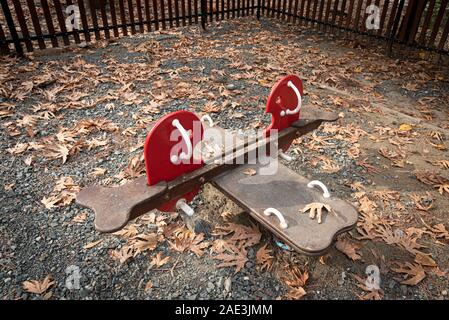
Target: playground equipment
[(182, 153)]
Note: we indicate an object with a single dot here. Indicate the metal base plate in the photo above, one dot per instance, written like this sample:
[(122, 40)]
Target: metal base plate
[(287, 192)]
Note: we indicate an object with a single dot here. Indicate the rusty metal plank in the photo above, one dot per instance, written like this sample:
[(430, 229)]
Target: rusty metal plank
[(287, 192)]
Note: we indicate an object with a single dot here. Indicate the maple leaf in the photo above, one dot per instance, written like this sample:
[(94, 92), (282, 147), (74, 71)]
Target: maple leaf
[(122, 255), (57, 151), (95, 143), (80, 217), (158, 261), (230, 260), (98, 172), (128, 232), (440, 231), (264, 258), (316, 209), (373, 294), (423, 203), (143, 242), (37, 286), (348, 248), (442, 163), (414, 272), (425, 260), (442, 188), (136, 166)]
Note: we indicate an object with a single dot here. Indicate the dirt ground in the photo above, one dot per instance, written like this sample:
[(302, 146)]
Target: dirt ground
[(77, 117)]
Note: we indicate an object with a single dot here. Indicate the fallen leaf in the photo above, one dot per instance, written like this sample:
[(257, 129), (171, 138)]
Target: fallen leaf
[(316, 209), (37, 286), (414, 272), (348, 248), (92, 244)]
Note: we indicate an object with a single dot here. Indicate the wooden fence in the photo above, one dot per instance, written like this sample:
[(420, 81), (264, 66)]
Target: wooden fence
[(38, 24)]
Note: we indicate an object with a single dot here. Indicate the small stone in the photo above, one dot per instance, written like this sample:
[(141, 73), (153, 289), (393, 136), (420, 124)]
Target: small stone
[(444, 293)]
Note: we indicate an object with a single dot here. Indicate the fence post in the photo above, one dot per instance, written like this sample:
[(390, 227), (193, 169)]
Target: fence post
[(12, 28), (258, 9), (203, 14), (395, 27)]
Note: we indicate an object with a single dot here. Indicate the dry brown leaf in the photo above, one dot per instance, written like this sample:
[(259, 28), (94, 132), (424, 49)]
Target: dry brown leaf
[(80, 218), (37, 286), (425, 260), (316, 209), (414, 272), (158, 261), (264, 258), (148, 286), (92, 244), (122, 255), (250, 172), (348, 248)]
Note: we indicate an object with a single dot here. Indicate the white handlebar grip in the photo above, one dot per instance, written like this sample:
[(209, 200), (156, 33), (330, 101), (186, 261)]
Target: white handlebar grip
[(182, 205), (209, 119), (283, 223), (298, 95), (285, 156), (313, 183), (185, 137)]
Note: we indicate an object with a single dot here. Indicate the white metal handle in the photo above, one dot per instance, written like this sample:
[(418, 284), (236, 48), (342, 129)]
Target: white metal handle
[(185, 136), (209, 119), (298, 95), (285, 156), (182, 205), (283, 223), (313, 183)]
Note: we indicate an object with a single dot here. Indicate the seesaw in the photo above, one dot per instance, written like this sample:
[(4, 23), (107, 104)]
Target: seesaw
[(182, 152)]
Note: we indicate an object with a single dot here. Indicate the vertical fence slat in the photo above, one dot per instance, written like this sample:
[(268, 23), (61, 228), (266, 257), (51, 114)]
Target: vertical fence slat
[(397, 18), (183, 11), (139, 15), (217, 11), (426, 23), (147, 14), (301, 12), (320, 14), (357, 14), (170, 12), (349, 15), (104, 18), (314, 12), (93, 13), (114, 17), (12, 27), (326, 14), (49, 22), (392, 17), (295, 11), (131, 16), (84, 20), (22, 24), (436, 25), (163, 15), (155, 13), (444, 35), (307, 21), (341, 15), (61, 21), (76, 31), (195, 5), (189, 11), (383, 17), (176, 12), (123, 17), (36, 24), (4, 48), (334, 16)]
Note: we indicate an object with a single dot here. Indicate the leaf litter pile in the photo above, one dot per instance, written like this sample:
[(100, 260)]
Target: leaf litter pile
[(79, 117)]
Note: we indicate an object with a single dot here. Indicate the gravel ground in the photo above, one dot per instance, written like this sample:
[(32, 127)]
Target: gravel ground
[(35, 241)]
